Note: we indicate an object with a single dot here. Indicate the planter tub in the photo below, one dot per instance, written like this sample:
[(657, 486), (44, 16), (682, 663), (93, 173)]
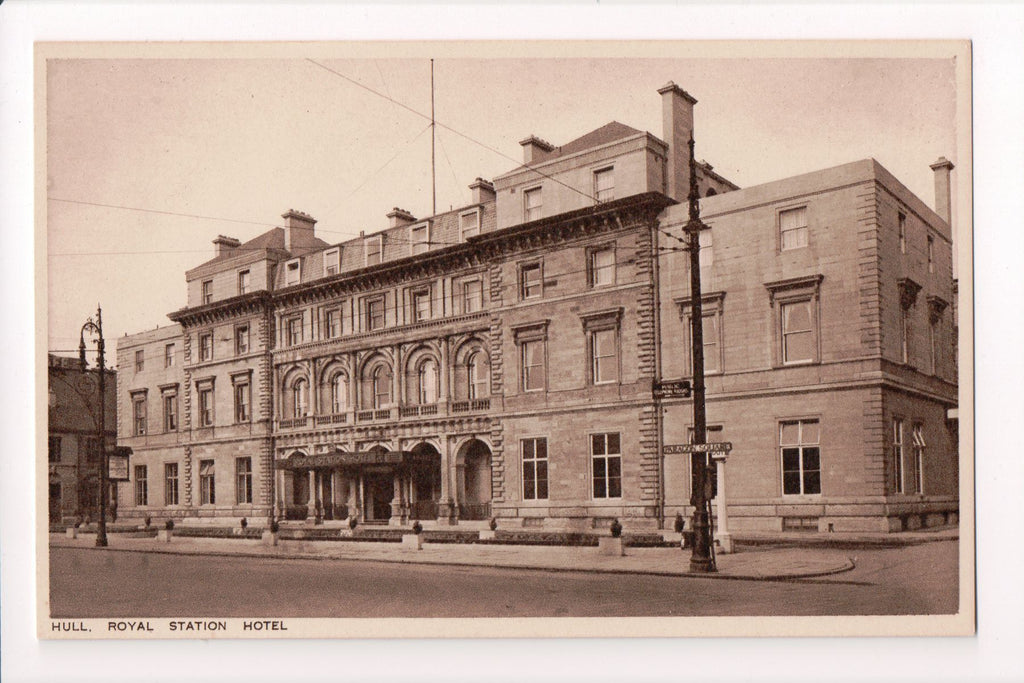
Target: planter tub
[(269, 538), (412, 541), (609, 545)]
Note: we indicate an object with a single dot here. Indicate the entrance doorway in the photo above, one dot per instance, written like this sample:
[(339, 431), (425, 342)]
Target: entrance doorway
[(379, 489), (475, 496)]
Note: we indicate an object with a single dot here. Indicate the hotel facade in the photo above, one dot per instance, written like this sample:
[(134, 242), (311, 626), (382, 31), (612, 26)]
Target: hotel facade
[(505, 359)]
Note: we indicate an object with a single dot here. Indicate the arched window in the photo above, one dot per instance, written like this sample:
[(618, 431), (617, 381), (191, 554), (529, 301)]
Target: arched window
[(339, 393), (426, 378), (477, 375), (300, 397), (381, 386)]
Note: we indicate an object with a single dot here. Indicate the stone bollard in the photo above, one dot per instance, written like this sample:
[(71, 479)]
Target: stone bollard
[(72, 532), (164, 535), (269, 537), (487, 534), (610, 545), (412, 541)]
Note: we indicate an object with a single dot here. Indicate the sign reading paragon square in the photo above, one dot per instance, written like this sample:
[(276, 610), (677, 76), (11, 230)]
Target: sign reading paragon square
[(720, 447)]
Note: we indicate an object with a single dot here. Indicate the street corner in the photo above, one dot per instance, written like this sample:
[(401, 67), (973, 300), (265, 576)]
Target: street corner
[(781, 565)]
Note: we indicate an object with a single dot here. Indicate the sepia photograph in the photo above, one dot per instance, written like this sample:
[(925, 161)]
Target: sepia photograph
[(525, 338)]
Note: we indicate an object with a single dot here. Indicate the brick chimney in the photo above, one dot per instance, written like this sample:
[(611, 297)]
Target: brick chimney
[(298, 232), (677, 128), (535, 149), (226, 245), (399, 217), (483, 191), (943, 193)]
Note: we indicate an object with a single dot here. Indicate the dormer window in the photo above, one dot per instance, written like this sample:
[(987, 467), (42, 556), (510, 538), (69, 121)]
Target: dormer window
[(293, 272), (207, 291), (243, 282), (373, 248), (532, 204), (332, 262), (469, 223), (604, 184), (419, 238)]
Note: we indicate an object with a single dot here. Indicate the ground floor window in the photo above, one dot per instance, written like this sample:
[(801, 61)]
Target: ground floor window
[(801, 457), (141, 486), (897, 454), (606, 462), (207, 493), (535, 468), (171, 483), (243, 480), (712, 434), (917, 461)]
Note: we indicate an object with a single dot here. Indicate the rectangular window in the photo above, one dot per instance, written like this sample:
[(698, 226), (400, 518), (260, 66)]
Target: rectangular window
[(469, 224), (140, 360), (207, 491), (897, 455), (801, 457), (293, 272), (139, 415), (243, 282), (902, 221), (797, 332), (532, 204), (294, 330), (711, 334), (606, 462), (530, 281), (243, 480), (171, 483), (472, 296), (933, 339), (604, 360), (906, 329), (931, 254), (242, 402), (419, 239), (206, 346), (332, 262), (207, 291), (535, 468), (373, 248), (332, 324), (916, 473), (241, 339), (712, 434), (602, 267), (375, 313), (206, 406), (532, 360), (169, 356), (604, 185), (141, 486), (706, 249), (421, 305), (54, 449), (793, 228), (170, 412)]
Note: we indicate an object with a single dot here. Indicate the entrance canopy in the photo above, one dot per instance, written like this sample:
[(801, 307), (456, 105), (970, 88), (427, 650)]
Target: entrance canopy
[(376, 456)]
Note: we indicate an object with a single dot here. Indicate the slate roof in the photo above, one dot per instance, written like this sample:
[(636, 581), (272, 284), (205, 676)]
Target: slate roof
[(609, 132)]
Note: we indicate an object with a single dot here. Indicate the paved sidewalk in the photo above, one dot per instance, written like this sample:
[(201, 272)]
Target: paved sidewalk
[(751, 563)]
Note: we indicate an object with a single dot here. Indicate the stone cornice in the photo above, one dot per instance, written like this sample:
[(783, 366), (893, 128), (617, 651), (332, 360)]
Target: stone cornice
[(254, 302)]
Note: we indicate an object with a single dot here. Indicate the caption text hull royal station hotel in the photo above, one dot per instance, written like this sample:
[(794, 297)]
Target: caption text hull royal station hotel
[(501, 360)]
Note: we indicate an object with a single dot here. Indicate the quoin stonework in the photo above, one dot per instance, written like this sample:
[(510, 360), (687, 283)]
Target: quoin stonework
[(503, 359)]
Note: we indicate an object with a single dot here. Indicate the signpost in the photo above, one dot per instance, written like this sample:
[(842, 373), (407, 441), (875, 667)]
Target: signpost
[(721, 447)]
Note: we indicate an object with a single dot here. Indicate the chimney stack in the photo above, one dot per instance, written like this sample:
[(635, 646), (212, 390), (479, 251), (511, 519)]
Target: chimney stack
[(483, 191), (298, 232), (226, 245), (400, 217), (677, 129), (943, 193), (535, 149)]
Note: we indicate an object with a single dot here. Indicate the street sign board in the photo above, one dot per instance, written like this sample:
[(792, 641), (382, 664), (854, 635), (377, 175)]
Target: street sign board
[(713, 448), (672, 389)]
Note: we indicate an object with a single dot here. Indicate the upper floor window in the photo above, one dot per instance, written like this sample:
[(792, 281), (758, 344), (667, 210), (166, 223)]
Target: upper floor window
[(169, 356), (376, 386), (170, 411), (339, 393), (604, 184), (706, 252), (293, 272), (902, 223), (300, 398), (797, 332), (604, 360), (140, 360), (207, 291), (242, 339), (139, 414), (294, 331), (931, 254), (469, 223), (206, 346), (243, 282), (206, 405), (531, 340), (374, 314), (532, 204), (243, 400), (420, 305), (472, 296), (373, 250), (793, 228), (332, 262), (426, 380), (332, 324), (419, 238), (602, 266), (795, 305), (531, 282), (478, 375), (801, 457)]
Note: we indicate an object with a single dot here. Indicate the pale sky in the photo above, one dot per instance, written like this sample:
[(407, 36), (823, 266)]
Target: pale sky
[(246, 139)]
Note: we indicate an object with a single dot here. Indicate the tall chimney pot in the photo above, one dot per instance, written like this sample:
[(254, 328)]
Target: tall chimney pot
[(399, 217), (677, 129), (226, 245), (534, 149), (298, 232), (483, 191), (943, 193)]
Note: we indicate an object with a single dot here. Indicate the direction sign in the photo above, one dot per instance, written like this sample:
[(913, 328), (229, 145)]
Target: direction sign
[(672, 389), (719, 447)]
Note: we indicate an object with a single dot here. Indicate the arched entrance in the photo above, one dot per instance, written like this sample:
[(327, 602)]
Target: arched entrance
[(424, 482), (474, 462)]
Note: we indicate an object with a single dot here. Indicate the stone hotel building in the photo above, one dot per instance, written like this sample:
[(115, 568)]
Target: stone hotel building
[(502, 359)]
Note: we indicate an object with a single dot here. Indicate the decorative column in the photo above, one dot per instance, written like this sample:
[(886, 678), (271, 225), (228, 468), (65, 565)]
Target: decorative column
[(281, 503), (397, 379), (443, 373), (444, 503), (397, 518), (722, 535), (311, 504), (319, 519)]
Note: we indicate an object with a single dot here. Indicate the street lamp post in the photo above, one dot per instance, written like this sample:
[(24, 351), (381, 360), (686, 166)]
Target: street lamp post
[(700, 559), (97, 329)]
